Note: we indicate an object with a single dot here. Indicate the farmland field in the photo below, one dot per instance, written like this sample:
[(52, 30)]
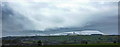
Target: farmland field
[(62, 41), (75, 45)]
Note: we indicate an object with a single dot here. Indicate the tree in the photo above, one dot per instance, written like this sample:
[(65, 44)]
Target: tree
[(39, 43), (84, 42), (114, 41)]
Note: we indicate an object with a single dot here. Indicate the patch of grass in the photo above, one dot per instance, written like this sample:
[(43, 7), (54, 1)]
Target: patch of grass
[(74, 45)]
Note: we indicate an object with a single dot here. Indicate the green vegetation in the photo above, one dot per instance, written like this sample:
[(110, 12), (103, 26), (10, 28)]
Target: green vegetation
[(75, 45), (63, 41)]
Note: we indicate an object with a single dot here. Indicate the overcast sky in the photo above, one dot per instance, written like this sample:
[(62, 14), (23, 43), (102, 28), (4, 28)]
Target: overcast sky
[(24, 15)]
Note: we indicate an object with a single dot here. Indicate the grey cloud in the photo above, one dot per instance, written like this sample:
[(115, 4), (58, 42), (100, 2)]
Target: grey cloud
[(42, 16)]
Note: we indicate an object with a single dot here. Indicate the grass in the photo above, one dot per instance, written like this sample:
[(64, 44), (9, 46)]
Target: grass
[(75, 45)]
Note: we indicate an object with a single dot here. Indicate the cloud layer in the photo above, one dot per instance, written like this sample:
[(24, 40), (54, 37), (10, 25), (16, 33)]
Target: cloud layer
[(47, 15)]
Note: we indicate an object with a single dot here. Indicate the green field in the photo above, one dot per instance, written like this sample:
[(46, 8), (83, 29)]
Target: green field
[(75, 45), (62, 41)]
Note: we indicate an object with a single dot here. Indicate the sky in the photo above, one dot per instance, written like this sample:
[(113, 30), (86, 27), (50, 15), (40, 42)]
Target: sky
[(27, 15)]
